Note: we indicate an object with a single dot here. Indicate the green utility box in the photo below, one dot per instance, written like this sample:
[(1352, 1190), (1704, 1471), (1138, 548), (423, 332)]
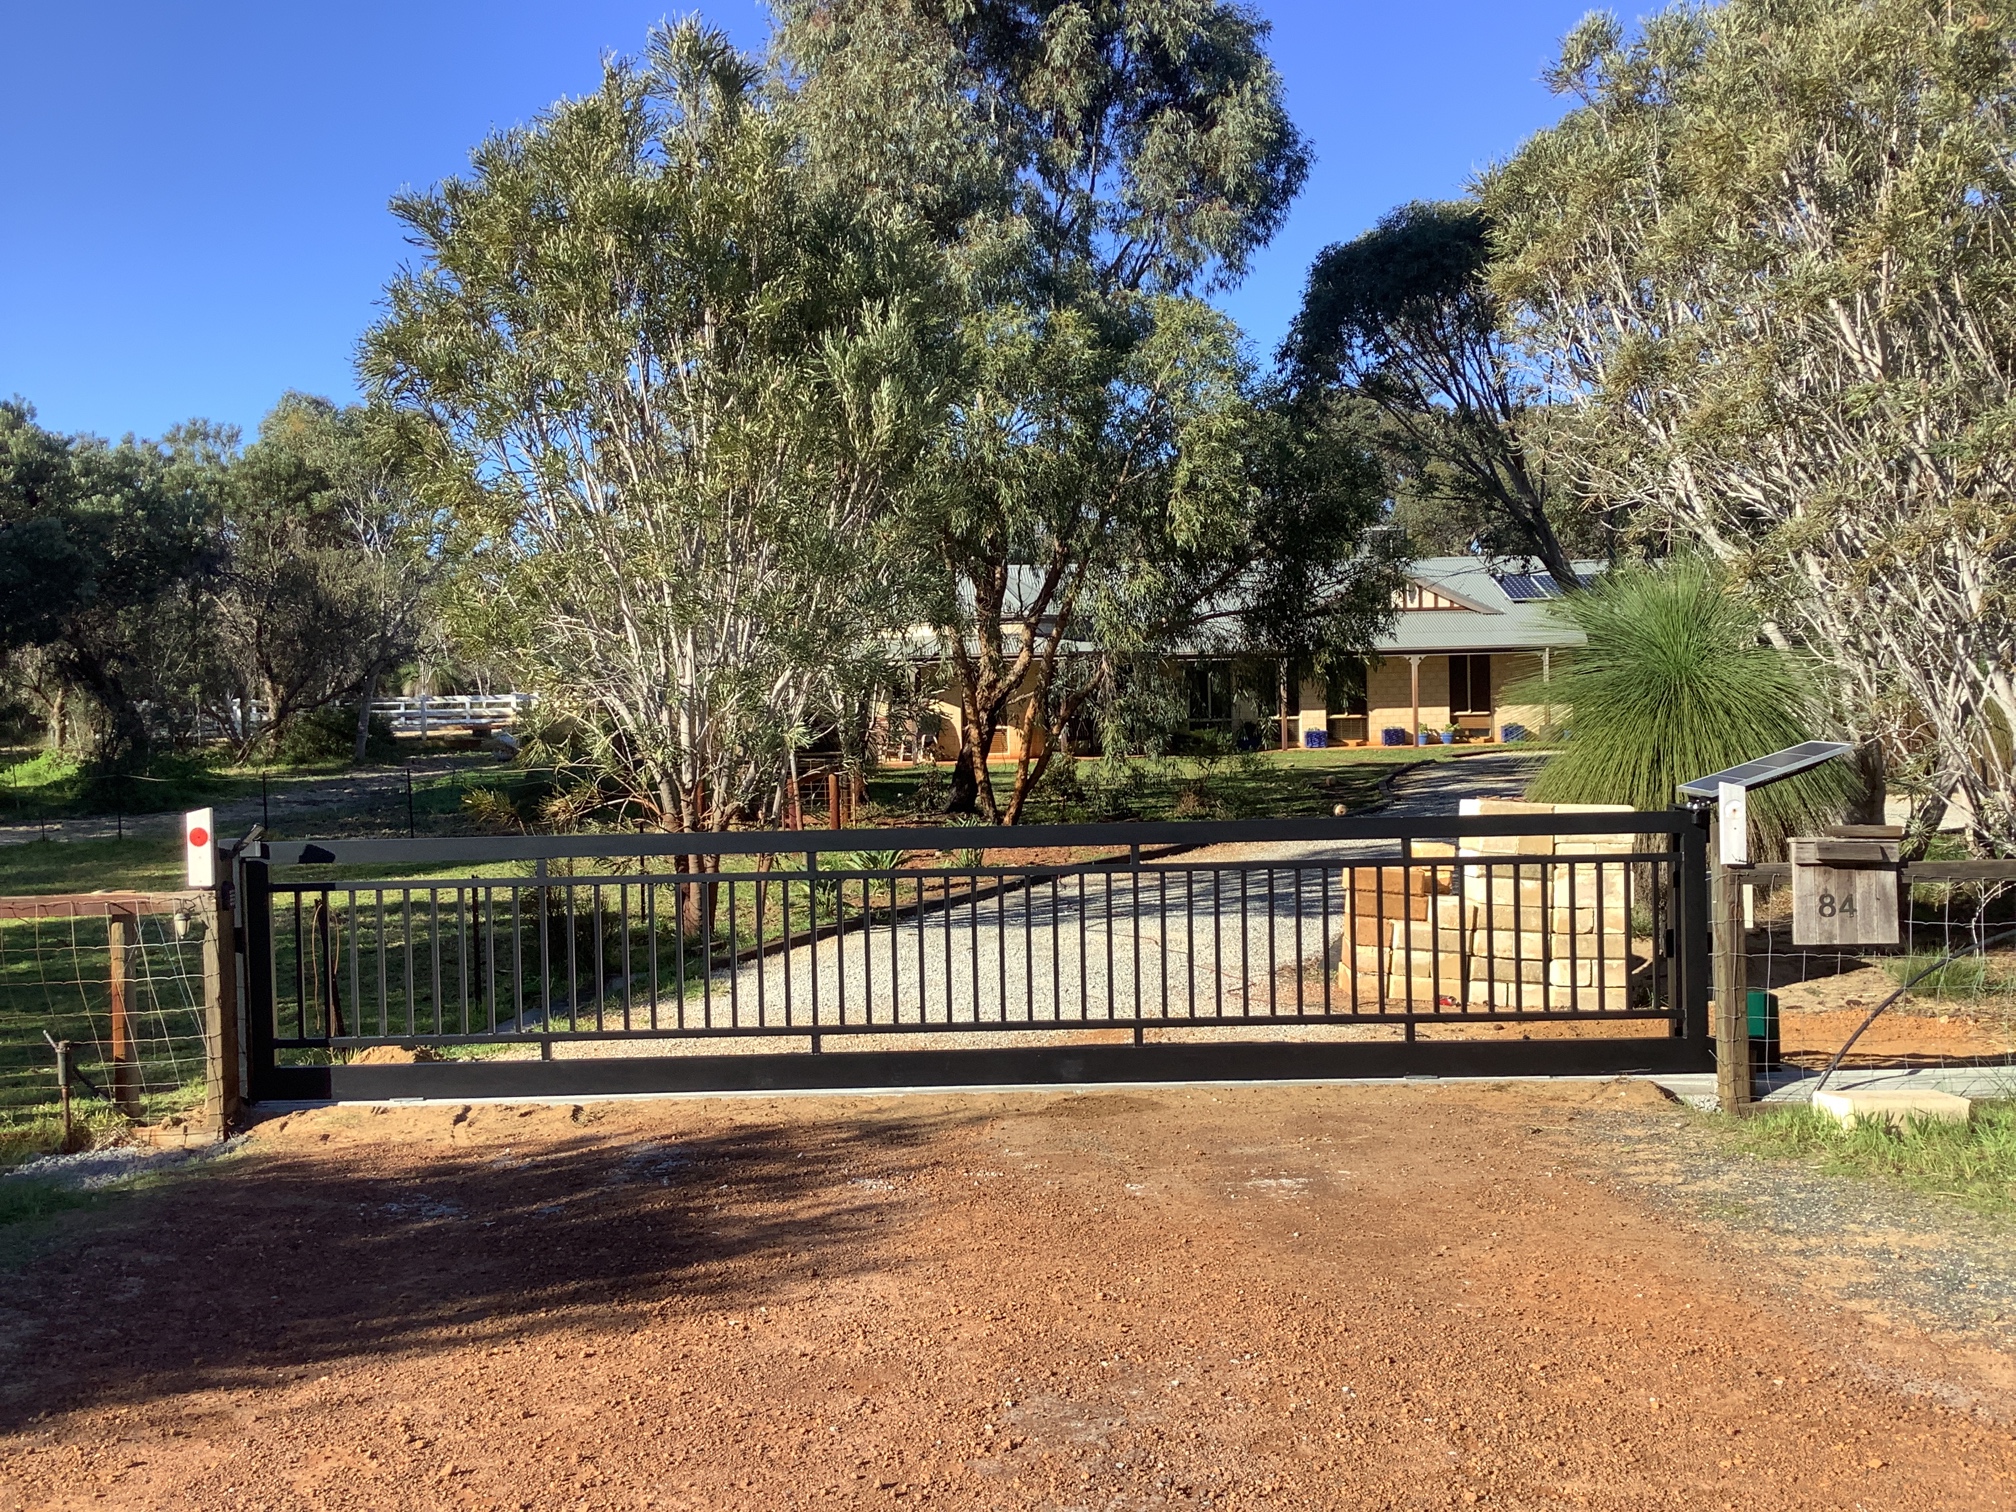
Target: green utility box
[(1765, 1053)]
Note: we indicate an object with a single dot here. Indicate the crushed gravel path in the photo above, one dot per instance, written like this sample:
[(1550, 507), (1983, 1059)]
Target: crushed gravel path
[(1874, 1248), (1191, 938)]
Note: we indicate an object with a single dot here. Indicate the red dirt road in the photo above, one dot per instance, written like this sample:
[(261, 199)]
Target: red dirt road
[(1300, 1297)]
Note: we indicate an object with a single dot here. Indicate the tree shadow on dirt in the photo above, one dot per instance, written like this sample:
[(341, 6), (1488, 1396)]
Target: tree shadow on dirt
[(294, 1262)]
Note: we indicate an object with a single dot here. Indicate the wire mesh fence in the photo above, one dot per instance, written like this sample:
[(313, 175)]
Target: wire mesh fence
[(1807, 1004), (118, 979)]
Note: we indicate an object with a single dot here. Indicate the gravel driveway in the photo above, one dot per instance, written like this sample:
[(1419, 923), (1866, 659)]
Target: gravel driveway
[(1195, 935)]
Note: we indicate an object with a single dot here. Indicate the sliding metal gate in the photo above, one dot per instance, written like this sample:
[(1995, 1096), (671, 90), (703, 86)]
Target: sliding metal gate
[(575, 965)]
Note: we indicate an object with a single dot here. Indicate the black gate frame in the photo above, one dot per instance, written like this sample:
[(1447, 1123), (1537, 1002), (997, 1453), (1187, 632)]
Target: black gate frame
[(1689, 1049)]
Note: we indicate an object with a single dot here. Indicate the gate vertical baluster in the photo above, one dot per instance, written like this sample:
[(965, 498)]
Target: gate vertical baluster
[(1190, 938), (573, 958), (812, 938), (356, 963), (300, 972), (1057, 946), (895, 882), (518, 956), (1300, 969), (784, 958), (1134, 909), (406, 956), (1323, 897), (734, 953), (384, 988), (1217, 942), (490, 955), (973, 929), (623, 915), (1162, 932), (703, 915), (1112, 1009), (1246, 972), (1084, 1008), (1574, 964), (1001, 946), (1273, 963)]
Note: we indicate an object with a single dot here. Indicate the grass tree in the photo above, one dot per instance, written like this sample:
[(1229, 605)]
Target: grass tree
[(1678, 681)]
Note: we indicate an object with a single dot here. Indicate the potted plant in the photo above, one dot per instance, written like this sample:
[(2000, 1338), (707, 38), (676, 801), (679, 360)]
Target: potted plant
[(1449, 734), (1424, 736)]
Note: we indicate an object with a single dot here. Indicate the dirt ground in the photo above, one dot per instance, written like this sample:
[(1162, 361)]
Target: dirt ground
[(1376, 1297)]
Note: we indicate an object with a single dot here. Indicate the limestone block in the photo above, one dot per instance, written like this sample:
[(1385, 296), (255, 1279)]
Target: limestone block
[(1533, 997), (1894, 1106)]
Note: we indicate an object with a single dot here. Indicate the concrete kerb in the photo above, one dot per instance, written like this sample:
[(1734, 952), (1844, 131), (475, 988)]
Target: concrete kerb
[(1696, 1089)]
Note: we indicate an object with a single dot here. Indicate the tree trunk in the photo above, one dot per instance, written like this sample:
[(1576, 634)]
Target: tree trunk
[(367, 692), (972, 785)]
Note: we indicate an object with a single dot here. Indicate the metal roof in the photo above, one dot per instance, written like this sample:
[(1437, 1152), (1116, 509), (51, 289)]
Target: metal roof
[(1493, 611), (1509, 611)]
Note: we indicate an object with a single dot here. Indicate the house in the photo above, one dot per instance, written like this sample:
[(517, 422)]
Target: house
[(1465, 632)]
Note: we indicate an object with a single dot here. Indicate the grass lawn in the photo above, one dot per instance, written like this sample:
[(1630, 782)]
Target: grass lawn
[(79, 866), (1274, 783), (1974, 1162), (1091, 790), (41, 785)]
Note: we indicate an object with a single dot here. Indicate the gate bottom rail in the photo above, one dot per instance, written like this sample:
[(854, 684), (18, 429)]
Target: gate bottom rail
[(1007, 1066)]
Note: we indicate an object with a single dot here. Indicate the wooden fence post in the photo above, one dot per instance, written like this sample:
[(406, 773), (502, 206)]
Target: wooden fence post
[(1732, 997), (224, 1099), (121, 929)]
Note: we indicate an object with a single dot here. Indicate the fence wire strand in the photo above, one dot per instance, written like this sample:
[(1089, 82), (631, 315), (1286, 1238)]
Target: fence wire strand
[(1960, 1017), (57, 983)]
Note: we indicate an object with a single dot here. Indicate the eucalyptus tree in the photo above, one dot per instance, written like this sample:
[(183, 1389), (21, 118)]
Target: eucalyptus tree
[(1766, 261), (1404, 319), (101, 549), (1089, 167), (666, 391), (323, 568)]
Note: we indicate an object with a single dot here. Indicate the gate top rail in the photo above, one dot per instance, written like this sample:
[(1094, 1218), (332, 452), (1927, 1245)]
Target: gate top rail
[(480, 849)]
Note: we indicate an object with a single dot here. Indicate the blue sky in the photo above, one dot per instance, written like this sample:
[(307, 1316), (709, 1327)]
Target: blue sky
[(194, 211)]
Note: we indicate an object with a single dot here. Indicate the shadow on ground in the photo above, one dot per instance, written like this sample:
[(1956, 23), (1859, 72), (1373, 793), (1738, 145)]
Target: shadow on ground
[(292, 1259)]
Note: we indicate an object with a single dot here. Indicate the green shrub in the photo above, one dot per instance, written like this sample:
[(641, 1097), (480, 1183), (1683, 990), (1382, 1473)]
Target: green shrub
[(330, 734), (491, 811), (1677, 681)]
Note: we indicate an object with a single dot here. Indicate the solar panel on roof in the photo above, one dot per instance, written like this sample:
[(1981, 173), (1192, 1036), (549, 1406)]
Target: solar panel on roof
[(1526, 587)]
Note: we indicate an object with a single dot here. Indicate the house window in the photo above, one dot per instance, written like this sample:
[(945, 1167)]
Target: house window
[(1469, 685), (1209, 685), (1343, 701)]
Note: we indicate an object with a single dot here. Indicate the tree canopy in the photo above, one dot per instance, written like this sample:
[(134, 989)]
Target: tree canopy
[(1403, 318), (95, 540), (1108, 471), (667, 387), (1765, 264)]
